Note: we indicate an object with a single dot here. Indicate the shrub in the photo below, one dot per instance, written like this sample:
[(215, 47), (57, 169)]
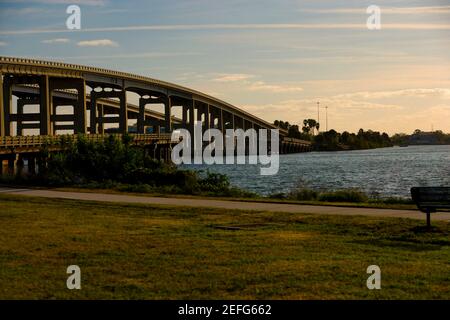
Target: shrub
[(351, 195)]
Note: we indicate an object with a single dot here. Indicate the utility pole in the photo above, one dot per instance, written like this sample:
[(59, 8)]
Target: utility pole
[(326, 115), (318, 115)]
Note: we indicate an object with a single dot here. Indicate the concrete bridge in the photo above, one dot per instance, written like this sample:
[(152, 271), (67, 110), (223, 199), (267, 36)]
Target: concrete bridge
[(97, 98)]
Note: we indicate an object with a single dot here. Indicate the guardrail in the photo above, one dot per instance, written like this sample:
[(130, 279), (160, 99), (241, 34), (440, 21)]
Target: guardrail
[(295, 140), (36, 141)]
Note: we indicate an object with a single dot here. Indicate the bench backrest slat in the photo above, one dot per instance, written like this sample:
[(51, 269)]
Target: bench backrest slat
[(431, 198)]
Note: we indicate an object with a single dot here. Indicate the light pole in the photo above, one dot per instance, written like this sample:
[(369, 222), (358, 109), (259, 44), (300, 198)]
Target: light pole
[(318, 115), (326, 115)]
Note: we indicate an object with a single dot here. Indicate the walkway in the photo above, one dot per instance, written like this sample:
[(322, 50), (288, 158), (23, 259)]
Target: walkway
[(225, 204)]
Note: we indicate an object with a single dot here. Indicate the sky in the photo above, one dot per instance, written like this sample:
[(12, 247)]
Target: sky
[(275, 59)]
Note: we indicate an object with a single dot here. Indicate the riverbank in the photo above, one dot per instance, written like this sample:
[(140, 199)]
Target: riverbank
[(135, 251)]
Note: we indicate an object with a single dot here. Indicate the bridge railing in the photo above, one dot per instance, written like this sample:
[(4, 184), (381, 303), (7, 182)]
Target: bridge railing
[(34, 141), (295, 140)]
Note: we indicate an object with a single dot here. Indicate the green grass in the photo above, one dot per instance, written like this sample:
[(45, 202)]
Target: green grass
[(158, 252)]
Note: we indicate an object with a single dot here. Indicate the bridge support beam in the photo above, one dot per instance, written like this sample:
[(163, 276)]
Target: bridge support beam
[(141, 122), (22, 116), (93, 109)]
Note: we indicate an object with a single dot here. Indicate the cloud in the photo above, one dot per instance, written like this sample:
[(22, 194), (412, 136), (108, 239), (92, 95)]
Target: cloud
[(245, 82), (232, 77), (67, 2), (292, 26), (22, 11), (262, 86), (57, 40), (417, 92), (2, 44), (98, 43), (384, 10)]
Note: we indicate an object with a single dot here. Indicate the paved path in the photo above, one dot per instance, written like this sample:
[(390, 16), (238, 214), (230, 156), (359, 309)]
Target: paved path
[(225, 204)]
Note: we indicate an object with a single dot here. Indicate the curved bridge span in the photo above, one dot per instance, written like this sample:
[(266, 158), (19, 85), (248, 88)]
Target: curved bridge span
[(52, 76), (98, 102)]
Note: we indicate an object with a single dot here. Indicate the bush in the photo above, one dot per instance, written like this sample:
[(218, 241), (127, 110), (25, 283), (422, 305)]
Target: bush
[(116, 164), (343, 196), (303, 194)]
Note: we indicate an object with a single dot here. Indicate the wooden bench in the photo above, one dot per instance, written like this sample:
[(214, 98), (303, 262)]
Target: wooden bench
[(431, 199)]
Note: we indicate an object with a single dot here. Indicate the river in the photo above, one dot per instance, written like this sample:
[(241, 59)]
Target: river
[(383, 172)]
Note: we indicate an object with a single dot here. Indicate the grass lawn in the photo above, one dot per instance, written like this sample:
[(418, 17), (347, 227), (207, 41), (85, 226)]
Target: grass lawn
[(158, 252)]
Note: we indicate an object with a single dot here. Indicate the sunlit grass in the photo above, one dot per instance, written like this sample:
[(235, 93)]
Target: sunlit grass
[(130, 251)]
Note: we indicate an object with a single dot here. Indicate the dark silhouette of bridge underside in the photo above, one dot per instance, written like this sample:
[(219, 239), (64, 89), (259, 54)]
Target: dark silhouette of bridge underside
[(51, 85)]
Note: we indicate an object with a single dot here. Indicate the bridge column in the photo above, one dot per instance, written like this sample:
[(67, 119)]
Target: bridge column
[(93, 113), (157, 129), (45, 109), (207, 113), (100, 117), (123, 115), (184, 116), (79, 109), (220, 124), (2, 125), (168, 114), (141, 116), (11, 164), (7, 104), (31, 164), (19, 125)]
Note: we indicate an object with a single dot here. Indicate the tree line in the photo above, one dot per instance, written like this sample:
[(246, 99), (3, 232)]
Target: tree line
[(332, 140)]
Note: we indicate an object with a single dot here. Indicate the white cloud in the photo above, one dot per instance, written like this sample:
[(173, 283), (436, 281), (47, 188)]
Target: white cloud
[(262, 86), (98, 43), (232, 77), (2, 44), (68, 2), (244, 81), (22, 11), (385, 10), (416, 92), (292, 26), (57, 40)]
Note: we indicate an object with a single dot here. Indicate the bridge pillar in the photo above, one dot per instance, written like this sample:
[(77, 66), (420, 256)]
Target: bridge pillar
[(79, 109), (184, 116), (7, 104), (221, 123), (31, 165), (93, 113), (141, 116), (168, 114), (19, 126), (11, 164), (123, 115), (100, 118), (45, 109), (2, 125)]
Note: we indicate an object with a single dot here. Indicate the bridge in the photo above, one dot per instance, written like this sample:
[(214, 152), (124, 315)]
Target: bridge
[(97, 99)]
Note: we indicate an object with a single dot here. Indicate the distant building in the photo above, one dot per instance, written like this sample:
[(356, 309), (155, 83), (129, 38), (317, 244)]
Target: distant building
[(424, 138)]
